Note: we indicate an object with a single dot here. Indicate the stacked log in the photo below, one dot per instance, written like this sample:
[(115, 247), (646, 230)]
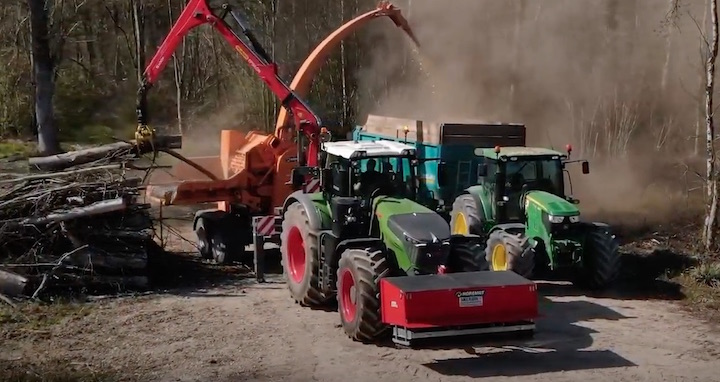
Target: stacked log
[(81, 224)]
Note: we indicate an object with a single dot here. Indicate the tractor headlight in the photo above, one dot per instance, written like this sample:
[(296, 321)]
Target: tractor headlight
[(574, 219), (556, 219)]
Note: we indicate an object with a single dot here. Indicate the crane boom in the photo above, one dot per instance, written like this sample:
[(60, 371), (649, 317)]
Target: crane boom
[(198, 12)]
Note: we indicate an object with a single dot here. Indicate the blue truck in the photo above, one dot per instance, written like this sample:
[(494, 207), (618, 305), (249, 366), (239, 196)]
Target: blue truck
[(485, 181)]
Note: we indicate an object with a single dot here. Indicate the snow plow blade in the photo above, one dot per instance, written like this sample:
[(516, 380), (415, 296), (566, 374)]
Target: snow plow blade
[(469, 304)]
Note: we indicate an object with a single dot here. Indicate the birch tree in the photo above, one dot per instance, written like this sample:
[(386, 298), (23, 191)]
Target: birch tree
[(711, 170)]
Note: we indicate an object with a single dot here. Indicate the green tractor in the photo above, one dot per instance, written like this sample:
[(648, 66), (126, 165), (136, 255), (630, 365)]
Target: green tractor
[(514, 195), (364, 226), (532, 227)]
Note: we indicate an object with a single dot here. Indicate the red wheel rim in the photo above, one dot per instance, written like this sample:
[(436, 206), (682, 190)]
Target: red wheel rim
[(347, 295), (296, 255)]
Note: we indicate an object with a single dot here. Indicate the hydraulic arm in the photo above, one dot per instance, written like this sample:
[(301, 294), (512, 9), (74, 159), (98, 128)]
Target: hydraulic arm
[(198, 12)]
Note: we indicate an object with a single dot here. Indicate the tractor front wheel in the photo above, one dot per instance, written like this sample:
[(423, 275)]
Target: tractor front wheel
[(358, 288), (601, 260), (510, 252), (464, 217), (299, 257), (467, 257)]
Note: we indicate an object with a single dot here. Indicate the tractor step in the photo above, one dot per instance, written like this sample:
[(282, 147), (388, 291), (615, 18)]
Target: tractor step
[(487, 334), (458, 304)]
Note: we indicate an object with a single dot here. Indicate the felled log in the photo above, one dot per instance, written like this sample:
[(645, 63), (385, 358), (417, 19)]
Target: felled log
[(84, 156), (12, 284), (95, 280), (97, 208), (29, 178), (92, 258), (78, 157)]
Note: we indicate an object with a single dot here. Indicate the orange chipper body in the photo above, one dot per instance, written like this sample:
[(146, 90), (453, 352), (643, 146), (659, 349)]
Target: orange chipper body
[(255, 168)]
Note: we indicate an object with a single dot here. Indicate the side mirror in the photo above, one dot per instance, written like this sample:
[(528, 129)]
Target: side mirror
[(441, 174), (585, 167), (326, 179), (482, 170)]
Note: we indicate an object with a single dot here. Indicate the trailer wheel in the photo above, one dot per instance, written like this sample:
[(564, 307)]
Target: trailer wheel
[(358, 285), (464, 217), (468, 257), (203, 241), (219, 248), (299, 257), (601, 260), (510, 252)]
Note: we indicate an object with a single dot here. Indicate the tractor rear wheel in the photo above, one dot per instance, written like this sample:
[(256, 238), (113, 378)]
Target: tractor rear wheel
[(468, 257), (358, 285), (464, 217), (510, 252), (601, 260), (299, 251)]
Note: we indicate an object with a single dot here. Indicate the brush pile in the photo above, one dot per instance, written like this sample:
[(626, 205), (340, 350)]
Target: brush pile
[(81, 224)]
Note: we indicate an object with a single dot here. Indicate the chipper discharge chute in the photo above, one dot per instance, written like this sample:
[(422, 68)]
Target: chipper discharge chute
[(485, 181), (390, 262)]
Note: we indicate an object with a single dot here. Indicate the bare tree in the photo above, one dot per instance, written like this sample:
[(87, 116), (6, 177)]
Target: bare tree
[(711, 171), (44, 73)]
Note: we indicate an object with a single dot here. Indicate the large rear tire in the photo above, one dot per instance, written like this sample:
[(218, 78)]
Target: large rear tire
[(468, 257), (464, 217), (359, 273), (299, 257), (601, 260), (510, 252)]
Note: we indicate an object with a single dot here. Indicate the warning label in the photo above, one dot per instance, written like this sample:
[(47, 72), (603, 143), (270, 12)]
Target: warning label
[(470, 298)]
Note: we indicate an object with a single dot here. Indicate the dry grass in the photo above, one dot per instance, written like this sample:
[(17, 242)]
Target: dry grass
[(701, 298), (34, 319), (53, 371)]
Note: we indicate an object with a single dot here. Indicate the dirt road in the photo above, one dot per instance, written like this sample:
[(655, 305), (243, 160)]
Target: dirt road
[(232, 329), (255, 332)]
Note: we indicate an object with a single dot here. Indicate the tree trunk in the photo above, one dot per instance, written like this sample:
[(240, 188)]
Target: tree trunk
[(672, 14), (178, 73), (343, 74), (138, 15), (712, 181), (704, 51), (43, 70)]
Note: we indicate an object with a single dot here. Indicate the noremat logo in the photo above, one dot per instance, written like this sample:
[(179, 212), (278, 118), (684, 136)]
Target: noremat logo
[(470, 293)]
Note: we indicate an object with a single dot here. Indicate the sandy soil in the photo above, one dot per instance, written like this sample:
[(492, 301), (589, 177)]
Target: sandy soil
[(235, 330)]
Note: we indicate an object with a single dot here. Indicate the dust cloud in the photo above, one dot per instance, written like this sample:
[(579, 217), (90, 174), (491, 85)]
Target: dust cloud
[(614, 78)]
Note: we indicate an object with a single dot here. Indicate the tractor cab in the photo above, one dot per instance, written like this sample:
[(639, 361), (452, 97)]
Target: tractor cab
[(507, 174), (368, 169)]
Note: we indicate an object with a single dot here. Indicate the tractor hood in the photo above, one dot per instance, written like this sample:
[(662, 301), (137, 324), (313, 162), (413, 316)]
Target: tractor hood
[(551, 204), (405, 218), (405, 225)]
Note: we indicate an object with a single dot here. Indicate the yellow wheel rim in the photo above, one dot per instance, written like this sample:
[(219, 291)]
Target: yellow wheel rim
[(460, 226), (499, 258)]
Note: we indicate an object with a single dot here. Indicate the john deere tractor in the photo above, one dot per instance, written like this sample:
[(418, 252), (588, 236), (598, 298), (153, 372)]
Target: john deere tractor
[(363, 226), (513, 195), (520, 203)]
